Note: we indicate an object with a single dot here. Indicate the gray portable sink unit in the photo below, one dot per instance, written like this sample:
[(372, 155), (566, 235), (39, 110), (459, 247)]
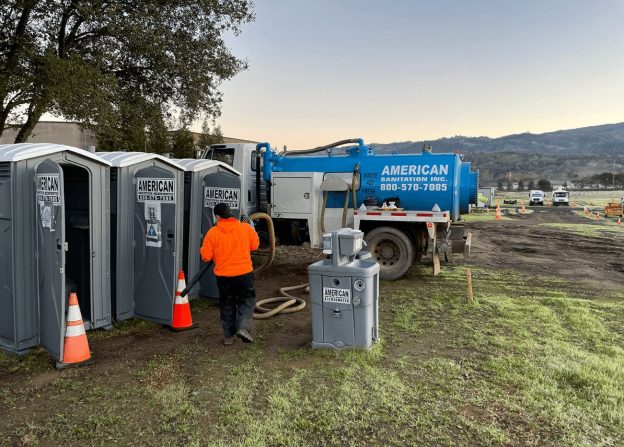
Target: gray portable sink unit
[(206, 183), (344, 293), (146, 241), (54, 239)]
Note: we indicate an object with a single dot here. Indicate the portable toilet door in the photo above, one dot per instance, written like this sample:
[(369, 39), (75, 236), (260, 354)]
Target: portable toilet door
[(207, 183), (157, 251), (147, 210), (59, 241), (51, 243)]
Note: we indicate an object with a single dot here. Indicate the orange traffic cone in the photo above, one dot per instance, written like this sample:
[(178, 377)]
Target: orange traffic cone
[(498, 215), (76, 347), (522, 209), (182, 319), (619, 221), (585, 210)]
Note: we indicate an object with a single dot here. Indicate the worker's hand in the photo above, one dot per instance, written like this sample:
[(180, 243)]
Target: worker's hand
[(245, 219)]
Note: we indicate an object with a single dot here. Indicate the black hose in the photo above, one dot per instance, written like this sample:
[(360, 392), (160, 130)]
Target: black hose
[(196, 278), (321, 148)]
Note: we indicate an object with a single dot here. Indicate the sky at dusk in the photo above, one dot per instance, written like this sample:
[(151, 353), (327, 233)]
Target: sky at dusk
[(398, 70)]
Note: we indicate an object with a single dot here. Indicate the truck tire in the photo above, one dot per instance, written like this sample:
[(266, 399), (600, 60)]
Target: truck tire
[(392, 249)]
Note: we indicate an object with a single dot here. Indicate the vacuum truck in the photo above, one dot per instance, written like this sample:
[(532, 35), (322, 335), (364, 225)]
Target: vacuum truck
[(407, 205)]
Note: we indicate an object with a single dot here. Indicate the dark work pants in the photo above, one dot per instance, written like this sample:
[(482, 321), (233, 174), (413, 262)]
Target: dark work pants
[(237, 299)]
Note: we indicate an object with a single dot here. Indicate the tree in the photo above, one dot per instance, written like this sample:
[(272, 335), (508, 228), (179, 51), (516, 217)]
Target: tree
[(544, 185), (531, 185), (500, 185), (88, 60), (509, 185), (565, 184), (183, 145), (139, 128), (208, 137), (520, 185)]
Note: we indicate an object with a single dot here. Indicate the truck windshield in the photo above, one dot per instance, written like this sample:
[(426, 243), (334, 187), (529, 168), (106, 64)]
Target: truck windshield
[(561, 194), (225, 155)]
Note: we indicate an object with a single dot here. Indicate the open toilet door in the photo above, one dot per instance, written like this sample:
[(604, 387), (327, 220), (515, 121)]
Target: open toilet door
[(51, 256), (155, 235)]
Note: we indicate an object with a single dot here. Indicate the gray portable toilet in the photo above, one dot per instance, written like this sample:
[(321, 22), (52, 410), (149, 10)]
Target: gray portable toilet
[(54, 239), (146, 234), (206, 183)]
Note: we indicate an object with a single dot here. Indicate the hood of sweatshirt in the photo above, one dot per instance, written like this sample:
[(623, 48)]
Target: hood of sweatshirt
[(227, 225)]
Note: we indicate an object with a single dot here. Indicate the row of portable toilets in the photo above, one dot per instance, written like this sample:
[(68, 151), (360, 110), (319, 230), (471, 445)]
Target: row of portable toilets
[(114, 227)]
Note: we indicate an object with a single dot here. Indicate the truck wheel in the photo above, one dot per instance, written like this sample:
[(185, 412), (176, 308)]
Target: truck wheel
[(392, 249)]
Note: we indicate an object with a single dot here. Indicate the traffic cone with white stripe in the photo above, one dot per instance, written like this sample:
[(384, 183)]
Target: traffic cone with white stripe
[(182, 319), (498, 215), (619, 221), (76, 347)]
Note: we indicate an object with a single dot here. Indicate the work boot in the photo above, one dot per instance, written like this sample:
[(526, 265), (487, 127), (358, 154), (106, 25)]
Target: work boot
[(228, 341), (244, 335)]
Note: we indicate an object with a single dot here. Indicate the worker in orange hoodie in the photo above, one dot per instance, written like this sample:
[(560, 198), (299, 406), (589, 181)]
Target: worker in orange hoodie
[(229, 245)]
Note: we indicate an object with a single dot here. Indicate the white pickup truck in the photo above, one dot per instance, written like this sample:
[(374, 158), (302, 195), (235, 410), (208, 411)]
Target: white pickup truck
[(536, 197)]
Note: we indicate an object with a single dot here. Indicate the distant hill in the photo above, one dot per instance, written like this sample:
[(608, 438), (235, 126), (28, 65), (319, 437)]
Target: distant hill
[(560, 155), (604, 139)]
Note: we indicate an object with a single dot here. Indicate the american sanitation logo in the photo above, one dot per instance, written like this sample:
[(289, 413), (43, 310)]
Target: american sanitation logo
[(213, 196), (415, 170), (156, 190), (49, 189), (339, 296)]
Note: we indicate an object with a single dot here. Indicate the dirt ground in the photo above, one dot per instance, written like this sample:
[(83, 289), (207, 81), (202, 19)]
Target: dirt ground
[(29, 386), (521, 243)]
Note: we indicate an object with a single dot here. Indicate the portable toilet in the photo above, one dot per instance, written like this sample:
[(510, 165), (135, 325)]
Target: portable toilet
[(206, 183), (54, 239), (146, 234)]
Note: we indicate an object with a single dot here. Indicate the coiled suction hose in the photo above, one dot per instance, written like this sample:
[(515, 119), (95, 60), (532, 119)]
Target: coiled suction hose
[(289, 303)]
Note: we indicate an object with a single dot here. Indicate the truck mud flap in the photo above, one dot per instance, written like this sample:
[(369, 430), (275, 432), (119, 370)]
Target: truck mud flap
[(457, 240), (462, 245)]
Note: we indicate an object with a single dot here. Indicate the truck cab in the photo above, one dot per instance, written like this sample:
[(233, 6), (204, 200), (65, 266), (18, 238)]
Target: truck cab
[(560, 197), (536, 197), (243, 158)]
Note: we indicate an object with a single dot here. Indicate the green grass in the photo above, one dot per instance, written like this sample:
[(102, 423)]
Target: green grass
[(529, 362), (525, 364)]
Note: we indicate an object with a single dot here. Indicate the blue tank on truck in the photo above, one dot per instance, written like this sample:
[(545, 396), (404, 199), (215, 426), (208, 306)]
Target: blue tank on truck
[(419, 180)]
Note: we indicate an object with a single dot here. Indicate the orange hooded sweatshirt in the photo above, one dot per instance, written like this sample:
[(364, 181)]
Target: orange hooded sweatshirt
[(229, 244)]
